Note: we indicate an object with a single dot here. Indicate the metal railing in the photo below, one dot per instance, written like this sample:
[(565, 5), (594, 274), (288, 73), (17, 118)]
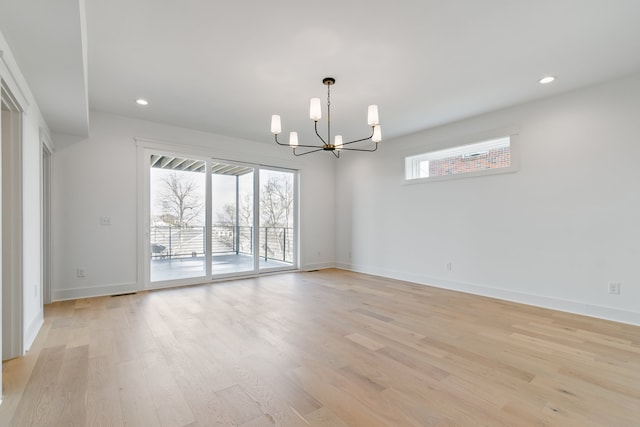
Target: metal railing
[(169, 242)]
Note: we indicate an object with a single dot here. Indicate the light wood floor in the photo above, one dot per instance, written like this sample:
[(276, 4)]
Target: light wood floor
[(327, 348)]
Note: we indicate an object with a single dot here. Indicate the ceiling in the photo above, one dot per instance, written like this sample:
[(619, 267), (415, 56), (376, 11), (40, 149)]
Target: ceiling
[(225, 67)]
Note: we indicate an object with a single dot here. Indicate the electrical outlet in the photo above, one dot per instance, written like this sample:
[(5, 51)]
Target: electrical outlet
[(449, 266), (80, 272), (614, 288), (105, 220)]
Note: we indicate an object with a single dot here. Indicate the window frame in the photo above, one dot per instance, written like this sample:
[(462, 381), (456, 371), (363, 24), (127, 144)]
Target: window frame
[(413, 165)]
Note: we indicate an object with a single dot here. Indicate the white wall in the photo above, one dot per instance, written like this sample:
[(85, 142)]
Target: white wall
[(33, 128), (31, 226), (97, 177), (553, 234)]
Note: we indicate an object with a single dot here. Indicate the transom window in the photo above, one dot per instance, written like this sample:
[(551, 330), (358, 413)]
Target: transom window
[(491, 156)]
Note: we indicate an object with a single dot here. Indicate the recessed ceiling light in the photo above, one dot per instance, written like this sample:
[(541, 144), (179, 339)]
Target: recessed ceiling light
[(142, 101), (546, 80)]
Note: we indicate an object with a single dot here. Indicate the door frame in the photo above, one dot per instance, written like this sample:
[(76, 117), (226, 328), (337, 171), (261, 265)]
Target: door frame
[(146, 147), (45, 221), (296, 224), (12, 244)]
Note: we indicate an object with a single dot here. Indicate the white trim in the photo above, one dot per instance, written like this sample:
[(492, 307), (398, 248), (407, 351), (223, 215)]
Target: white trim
[(31, 331), (94, 291), (585, 309), (7, 66), (256, 220), (46, 266), (13, 344), (176, 283), (45, 138), (208, 218), (142, 223), (319, 266)]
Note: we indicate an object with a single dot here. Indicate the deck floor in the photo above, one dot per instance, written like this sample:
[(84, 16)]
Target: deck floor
[(183, 268)]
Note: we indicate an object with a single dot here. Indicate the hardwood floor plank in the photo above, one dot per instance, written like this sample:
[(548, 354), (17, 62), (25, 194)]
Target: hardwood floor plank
[(36, 401), (135, 396), (68, 407), (238, 405), (170, 404), (325, 348), (103, 396)]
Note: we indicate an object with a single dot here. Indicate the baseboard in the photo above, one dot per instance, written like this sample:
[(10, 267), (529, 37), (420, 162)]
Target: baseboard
[(93, 291), (585, 309), (317, 266), (31, 331)]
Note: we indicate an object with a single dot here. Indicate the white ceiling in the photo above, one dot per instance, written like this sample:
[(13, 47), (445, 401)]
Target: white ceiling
[(46, 39), (225, 67)]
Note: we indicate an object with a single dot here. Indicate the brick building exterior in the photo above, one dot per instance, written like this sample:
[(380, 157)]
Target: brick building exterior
[(491, 159)]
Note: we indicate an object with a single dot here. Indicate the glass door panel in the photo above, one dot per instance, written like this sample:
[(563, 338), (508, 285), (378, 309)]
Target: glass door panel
[(277, 234), (232, 231), (177, 223)]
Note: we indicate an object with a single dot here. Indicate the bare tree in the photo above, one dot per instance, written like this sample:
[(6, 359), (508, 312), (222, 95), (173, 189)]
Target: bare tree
[(227, 218), (276, 214), (181, 201), (227, 214), (276, 202)]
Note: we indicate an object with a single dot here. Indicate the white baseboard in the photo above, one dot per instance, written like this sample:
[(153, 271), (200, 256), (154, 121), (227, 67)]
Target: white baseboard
[(585, 309), (317, 266), (94, 291), (31, 331)]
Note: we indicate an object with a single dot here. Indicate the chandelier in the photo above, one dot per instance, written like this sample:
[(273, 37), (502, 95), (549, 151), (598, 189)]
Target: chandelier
[(338, 145)]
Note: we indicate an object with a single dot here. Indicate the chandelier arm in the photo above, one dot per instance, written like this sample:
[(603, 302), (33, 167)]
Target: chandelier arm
[(336, 153), (308, 152), (278, 142), (362, 149), (360, 140), (315, 125), (300, 146), (319, 147)]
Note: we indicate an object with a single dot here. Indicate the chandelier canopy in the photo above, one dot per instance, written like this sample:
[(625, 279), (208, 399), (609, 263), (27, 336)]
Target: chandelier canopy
[(338, 145)]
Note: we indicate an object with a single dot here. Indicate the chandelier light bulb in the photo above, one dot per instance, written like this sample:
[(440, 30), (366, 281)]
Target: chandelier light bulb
[(338, 143), (372, 116), (293, 139), (377, 134), (276, 126), (315, 111)]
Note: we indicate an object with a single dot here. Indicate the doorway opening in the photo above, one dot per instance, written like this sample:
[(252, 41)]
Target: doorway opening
[(11, 141)]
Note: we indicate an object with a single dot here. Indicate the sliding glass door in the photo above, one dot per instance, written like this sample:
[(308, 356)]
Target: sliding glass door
[(277, 233), (177, 223), (232, 226), (211, 219)]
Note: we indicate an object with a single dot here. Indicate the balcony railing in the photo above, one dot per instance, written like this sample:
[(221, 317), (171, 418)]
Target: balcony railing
[(169, 242)]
